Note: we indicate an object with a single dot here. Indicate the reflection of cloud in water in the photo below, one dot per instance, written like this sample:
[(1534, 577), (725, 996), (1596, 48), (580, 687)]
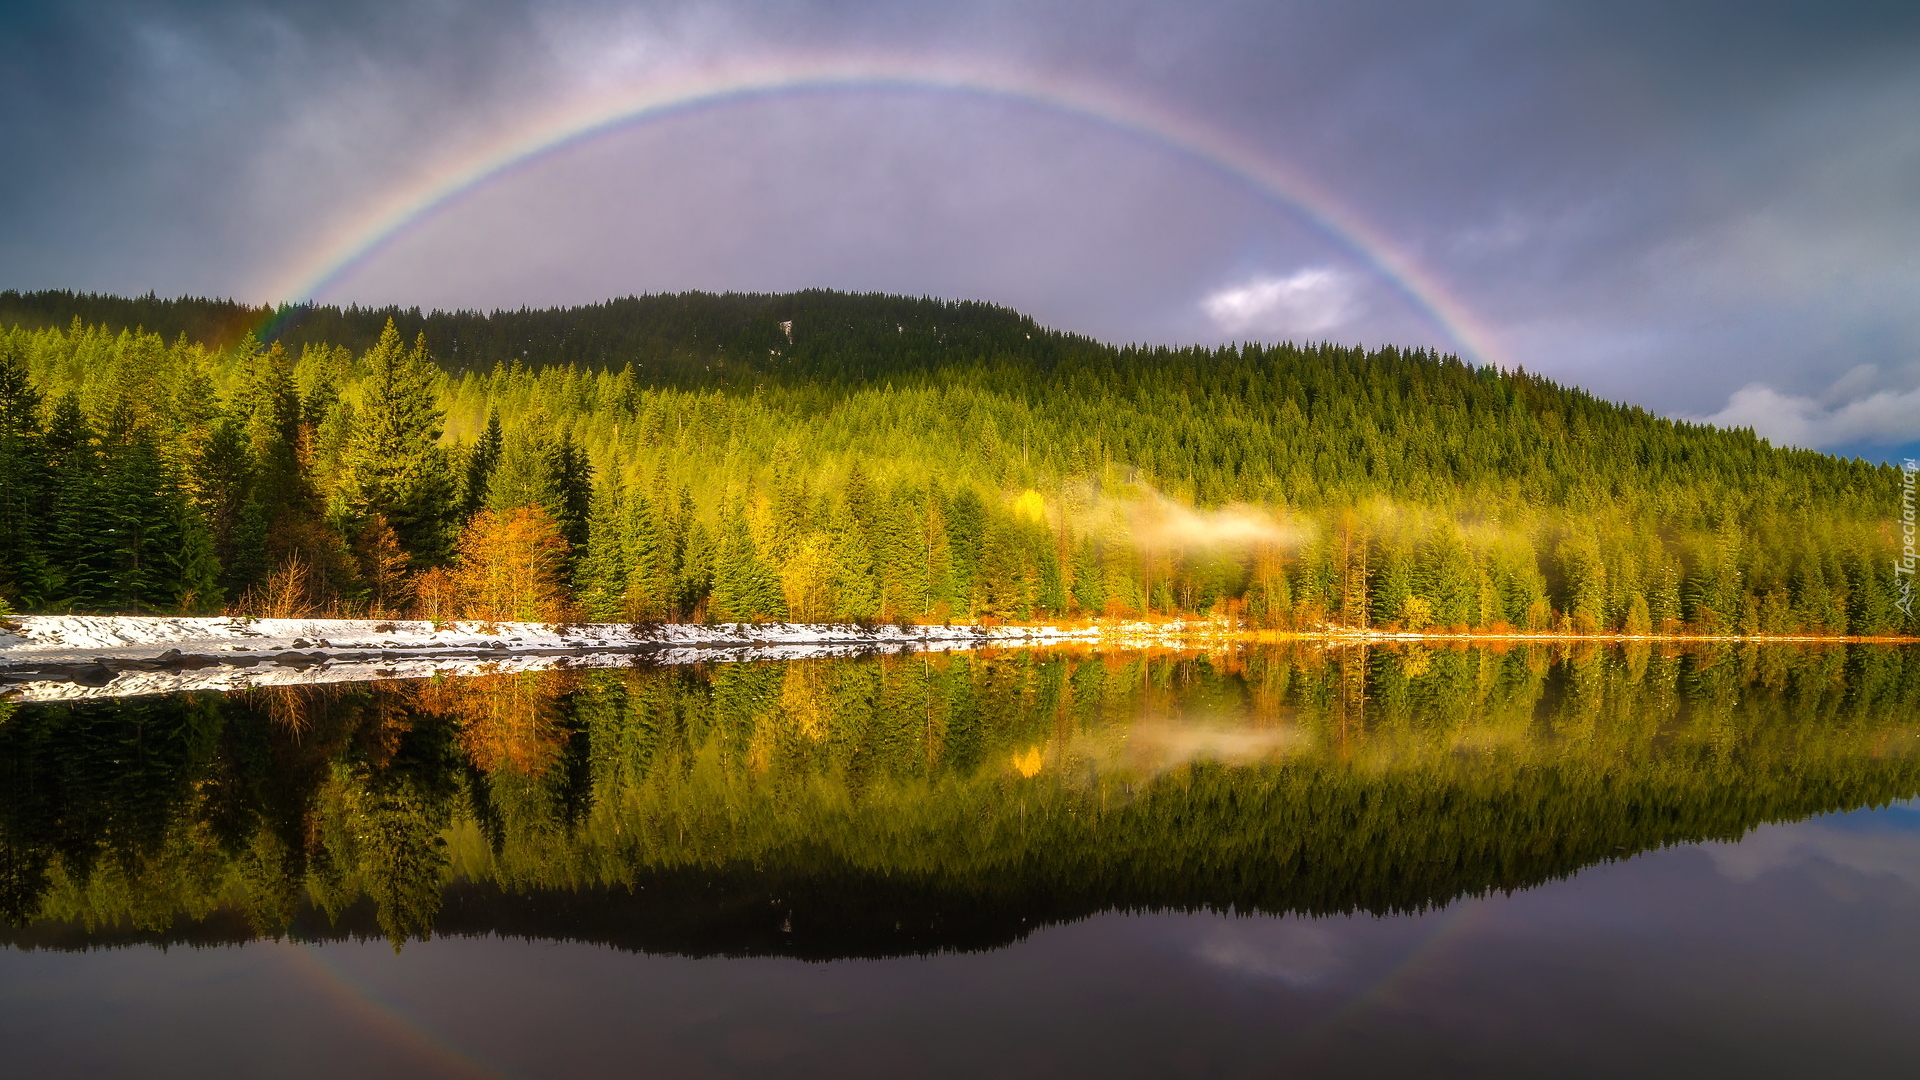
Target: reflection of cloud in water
[(1892, 852), (1293, 951), (1155, 746)]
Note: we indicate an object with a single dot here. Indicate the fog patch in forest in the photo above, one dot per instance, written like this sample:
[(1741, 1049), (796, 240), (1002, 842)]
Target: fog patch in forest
[(1165, 523), (1158, 520)]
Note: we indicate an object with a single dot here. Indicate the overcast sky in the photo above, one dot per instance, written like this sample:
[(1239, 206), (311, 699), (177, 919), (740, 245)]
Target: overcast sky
[(1712, 209)]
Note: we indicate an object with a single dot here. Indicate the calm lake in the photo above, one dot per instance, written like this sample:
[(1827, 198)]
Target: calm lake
[(1272, 861)]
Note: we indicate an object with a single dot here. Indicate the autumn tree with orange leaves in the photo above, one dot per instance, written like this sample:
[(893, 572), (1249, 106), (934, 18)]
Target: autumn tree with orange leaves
[(513, 567)]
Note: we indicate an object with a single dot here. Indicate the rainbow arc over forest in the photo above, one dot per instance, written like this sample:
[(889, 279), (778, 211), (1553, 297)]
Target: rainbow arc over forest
[(363, 233)]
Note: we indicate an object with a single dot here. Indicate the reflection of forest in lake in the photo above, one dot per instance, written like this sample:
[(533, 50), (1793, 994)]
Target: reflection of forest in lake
[(865, 807)]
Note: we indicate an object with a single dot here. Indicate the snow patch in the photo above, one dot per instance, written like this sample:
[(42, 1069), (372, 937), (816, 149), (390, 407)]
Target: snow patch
[(65, 657)]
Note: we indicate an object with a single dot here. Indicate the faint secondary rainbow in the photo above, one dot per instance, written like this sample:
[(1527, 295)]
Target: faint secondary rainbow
[(375, 225)]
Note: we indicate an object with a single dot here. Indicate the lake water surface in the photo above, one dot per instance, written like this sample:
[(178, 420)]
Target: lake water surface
[(1307, 861)]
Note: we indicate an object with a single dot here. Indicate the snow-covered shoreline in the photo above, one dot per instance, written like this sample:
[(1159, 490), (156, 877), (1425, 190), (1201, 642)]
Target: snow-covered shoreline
[(65, 657), (61, 657)]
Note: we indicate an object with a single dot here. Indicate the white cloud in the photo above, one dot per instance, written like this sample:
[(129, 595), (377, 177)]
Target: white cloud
[(1859, 407), (1877, 853), (1292, 951), (1311, 300)]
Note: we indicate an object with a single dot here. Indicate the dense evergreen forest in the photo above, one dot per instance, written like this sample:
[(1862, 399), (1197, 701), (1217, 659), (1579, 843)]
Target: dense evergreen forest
[(908, 803), (823, 456)]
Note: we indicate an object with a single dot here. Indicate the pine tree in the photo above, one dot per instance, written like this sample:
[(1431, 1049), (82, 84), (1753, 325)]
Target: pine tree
[(393, 463), (219, 485), (965, 531), (23, 483), (143, 516), (807, 579), (1394, 581), (195, 571), (600, 577), (936, 573), (268, 408), (1088, 593), (1584, 577), (744, 588), (1002, 588), (482, 459), (650, 562), (80, 536), (1050, 585), (525, 474), (896, 535), (1448, 577), (695, 581), (572, 486), (855, 594), (857, 494), (1871, 606), (1639, 618)]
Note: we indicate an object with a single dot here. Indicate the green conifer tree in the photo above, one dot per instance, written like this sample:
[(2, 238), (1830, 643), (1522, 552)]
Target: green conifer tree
[(1088, 595), (572, 486), (393, 463), (855, 594), (602, 573), (482, 458), (23, 483), (649, 592), (196, 568)]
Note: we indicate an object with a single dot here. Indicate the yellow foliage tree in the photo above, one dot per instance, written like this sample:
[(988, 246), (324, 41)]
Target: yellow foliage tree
[(808, 580), (1416, 612), (513, 567)]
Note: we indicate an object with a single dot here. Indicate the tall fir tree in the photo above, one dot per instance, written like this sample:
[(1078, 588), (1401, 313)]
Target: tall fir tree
[(23, 484), (394, 465), (482, 458)]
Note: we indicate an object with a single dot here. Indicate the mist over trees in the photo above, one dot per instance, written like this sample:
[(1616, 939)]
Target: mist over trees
[(822, 456)]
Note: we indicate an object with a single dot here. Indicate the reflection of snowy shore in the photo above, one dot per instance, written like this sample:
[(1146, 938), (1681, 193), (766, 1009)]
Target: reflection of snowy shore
[(57, 657)]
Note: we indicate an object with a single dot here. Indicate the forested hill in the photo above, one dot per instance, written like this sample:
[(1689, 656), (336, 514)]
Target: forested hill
[(683, 339), (679, 457)]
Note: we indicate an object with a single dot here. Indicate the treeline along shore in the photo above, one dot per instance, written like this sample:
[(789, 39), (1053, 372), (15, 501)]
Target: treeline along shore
[(824, 457)]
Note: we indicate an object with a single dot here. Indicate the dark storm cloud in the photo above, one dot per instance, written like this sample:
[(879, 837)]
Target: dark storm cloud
[(135, 129), (1712, 208)]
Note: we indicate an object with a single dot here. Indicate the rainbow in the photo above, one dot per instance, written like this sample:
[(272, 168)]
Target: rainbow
[(366, 231), (375, 1015)]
